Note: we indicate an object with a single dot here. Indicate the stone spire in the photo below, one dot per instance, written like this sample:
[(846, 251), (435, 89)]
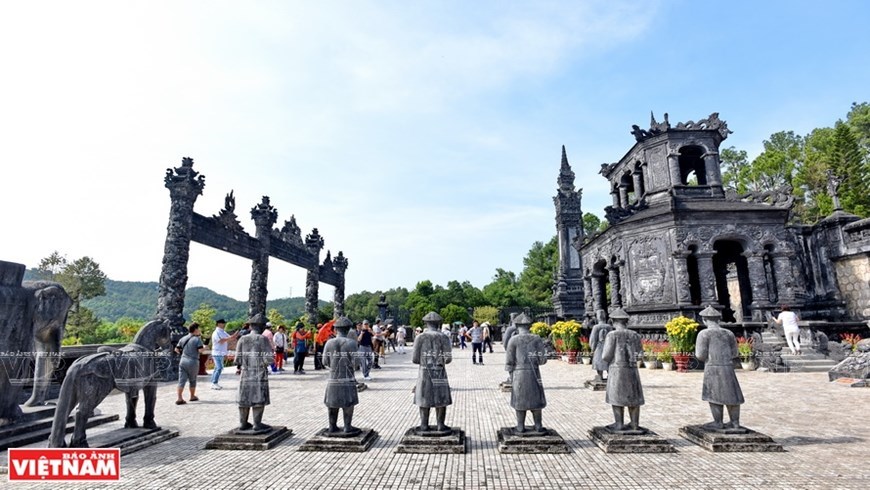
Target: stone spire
[(566, 175)]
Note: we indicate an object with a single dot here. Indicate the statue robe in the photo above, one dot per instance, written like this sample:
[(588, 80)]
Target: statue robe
[(621, 349), (432, 351), (525, 352), (338, 355), (717, 348), (596, 341), (254, 354)]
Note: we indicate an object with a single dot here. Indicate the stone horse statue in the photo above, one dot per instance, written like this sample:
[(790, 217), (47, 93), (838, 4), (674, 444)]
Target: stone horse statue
[(134, 367), (32, 319)]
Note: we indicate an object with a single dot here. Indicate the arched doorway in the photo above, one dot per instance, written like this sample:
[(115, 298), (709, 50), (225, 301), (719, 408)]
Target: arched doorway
[(732, 280)]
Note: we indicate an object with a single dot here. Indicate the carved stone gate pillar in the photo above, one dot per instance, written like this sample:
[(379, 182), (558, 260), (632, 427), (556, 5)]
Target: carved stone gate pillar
[(758, 283), (314, 243), (707, 278), (185, 185), (783, 273), (339, 263), (264, 216), (599, 299), (588, 302), (615, 298), (681, 278)]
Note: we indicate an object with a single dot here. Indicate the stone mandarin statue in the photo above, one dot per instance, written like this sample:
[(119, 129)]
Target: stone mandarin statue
[(596, 342), (432, 351), (525, 353), (254, 354), (717, 348), (621, 349), (341, 389)]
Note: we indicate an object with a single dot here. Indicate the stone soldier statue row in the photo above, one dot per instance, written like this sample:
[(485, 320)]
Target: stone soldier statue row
[(715, 346), (617, 351)]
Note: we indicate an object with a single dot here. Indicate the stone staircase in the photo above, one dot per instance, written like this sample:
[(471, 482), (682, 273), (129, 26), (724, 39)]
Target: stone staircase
[(36, 427), (809, 361)]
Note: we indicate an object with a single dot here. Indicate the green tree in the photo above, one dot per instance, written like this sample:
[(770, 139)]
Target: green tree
[(204, 316), (275, 317), (51, 266), (454, 313), (540, 265), (591, 224), (487, 314), (847, 164), (505, 291), (734, 164)]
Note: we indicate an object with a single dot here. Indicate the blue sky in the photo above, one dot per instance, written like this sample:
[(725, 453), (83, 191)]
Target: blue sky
[(423, 140)]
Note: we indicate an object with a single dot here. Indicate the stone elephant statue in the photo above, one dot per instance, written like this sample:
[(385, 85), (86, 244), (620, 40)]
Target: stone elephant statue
[(32, 320)]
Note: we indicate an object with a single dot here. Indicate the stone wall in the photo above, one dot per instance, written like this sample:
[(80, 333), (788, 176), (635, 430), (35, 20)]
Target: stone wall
[(853, 277)]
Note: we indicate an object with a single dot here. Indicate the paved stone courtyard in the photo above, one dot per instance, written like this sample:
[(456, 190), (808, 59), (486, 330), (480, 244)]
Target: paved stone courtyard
[(823, 428)]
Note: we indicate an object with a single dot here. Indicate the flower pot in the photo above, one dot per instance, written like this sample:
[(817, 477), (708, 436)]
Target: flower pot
[(747, 365), (682, 362), (565, 357), (572, 357), (667, 366), (651, 364)]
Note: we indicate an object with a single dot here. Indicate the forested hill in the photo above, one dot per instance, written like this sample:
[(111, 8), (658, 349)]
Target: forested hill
[(138, 300)]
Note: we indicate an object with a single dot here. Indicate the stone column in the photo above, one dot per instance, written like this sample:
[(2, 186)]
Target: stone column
[(264, 216), (638, 185), (674, 168), (707, 278), (615, 195), (314, 243), (339, 263), (564, 249), (757, 280), (587, 298), (623, 196), (681, 278), (711, 168), (615, 300), (599, 299), (785, 280), (185, 185)]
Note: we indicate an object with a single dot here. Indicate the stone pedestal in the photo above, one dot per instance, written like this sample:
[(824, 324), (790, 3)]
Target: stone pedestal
[(596, 385), (531, 442), (132, 440), (638, 441), (730, 440), (358, 443), (433, 442), (505, 386), (250, 440), (35, 426)]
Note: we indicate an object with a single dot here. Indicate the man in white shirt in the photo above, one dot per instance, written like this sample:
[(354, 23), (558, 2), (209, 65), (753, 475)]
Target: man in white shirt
[(400, 338), (219, 349), (789, 321)]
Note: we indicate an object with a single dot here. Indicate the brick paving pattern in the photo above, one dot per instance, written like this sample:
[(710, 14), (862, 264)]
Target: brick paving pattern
[(823, 428)]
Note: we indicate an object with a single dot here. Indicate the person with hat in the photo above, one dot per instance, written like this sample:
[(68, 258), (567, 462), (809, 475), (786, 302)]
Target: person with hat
[(219, 349), (300, 348), (487, 337), (717, 349)]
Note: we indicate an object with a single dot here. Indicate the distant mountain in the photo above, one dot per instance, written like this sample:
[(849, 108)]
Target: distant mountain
[(139, 300)]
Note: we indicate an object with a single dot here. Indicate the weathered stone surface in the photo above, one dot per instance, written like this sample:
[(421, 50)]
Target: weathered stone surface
[(642, 441), (855, 366), (33, 317), (133, 368), (233, 440), (356, 444), (729, 440), (595, 385), (454, 442), (547, 441), (132, 440)]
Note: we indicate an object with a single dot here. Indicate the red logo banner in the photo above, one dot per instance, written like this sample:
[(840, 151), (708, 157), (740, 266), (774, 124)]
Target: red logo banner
[(64, 464)]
